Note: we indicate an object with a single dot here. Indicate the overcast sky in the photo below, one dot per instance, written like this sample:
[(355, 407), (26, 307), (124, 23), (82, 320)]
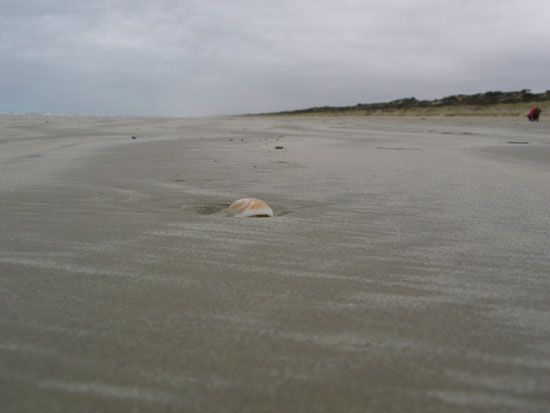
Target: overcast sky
[(213, 57)]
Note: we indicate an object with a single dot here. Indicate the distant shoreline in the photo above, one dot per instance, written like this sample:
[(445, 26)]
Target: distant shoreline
[(499, 110), (510, 104)]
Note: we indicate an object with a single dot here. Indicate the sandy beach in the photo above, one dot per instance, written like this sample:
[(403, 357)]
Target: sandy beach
[(407, 268)]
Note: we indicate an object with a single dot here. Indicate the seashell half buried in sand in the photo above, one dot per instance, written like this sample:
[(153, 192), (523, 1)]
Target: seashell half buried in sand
[(250, 207)]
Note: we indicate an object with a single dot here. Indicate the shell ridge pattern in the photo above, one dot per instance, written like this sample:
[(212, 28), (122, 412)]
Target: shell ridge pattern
[(250, 207)]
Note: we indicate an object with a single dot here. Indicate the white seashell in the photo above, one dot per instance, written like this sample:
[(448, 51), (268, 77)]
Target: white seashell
[(250, 207)]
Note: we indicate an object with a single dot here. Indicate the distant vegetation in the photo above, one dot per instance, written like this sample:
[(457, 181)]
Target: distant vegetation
[(413, 105)]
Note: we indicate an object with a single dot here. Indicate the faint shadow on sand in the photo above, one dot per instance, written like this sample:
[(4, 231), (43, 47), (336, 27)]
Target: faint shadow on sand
[(220, 208)]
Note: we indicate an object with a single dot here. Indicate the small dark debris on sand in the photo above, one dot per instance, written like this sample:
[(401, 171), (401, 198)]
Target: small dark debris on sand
[(518, 142), (133, 137), (279, 147)]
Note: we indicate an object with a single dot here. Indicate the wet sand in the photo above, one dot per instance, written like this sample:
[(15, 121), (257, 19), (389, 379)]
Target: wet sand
[(407, 267)]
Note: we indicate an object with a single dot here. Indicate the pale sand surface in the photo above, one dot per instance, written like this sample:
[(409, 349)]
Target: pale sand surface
[(407, 269)]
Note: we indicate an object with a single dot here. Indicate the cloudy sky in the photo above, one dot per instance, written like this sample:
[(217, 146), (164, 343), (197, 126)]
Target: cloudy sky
[(208, 57)]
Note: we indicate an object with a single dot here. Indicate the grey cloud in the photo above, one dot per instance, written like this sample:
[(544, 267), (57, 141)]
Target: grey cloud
[(215, 57)]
